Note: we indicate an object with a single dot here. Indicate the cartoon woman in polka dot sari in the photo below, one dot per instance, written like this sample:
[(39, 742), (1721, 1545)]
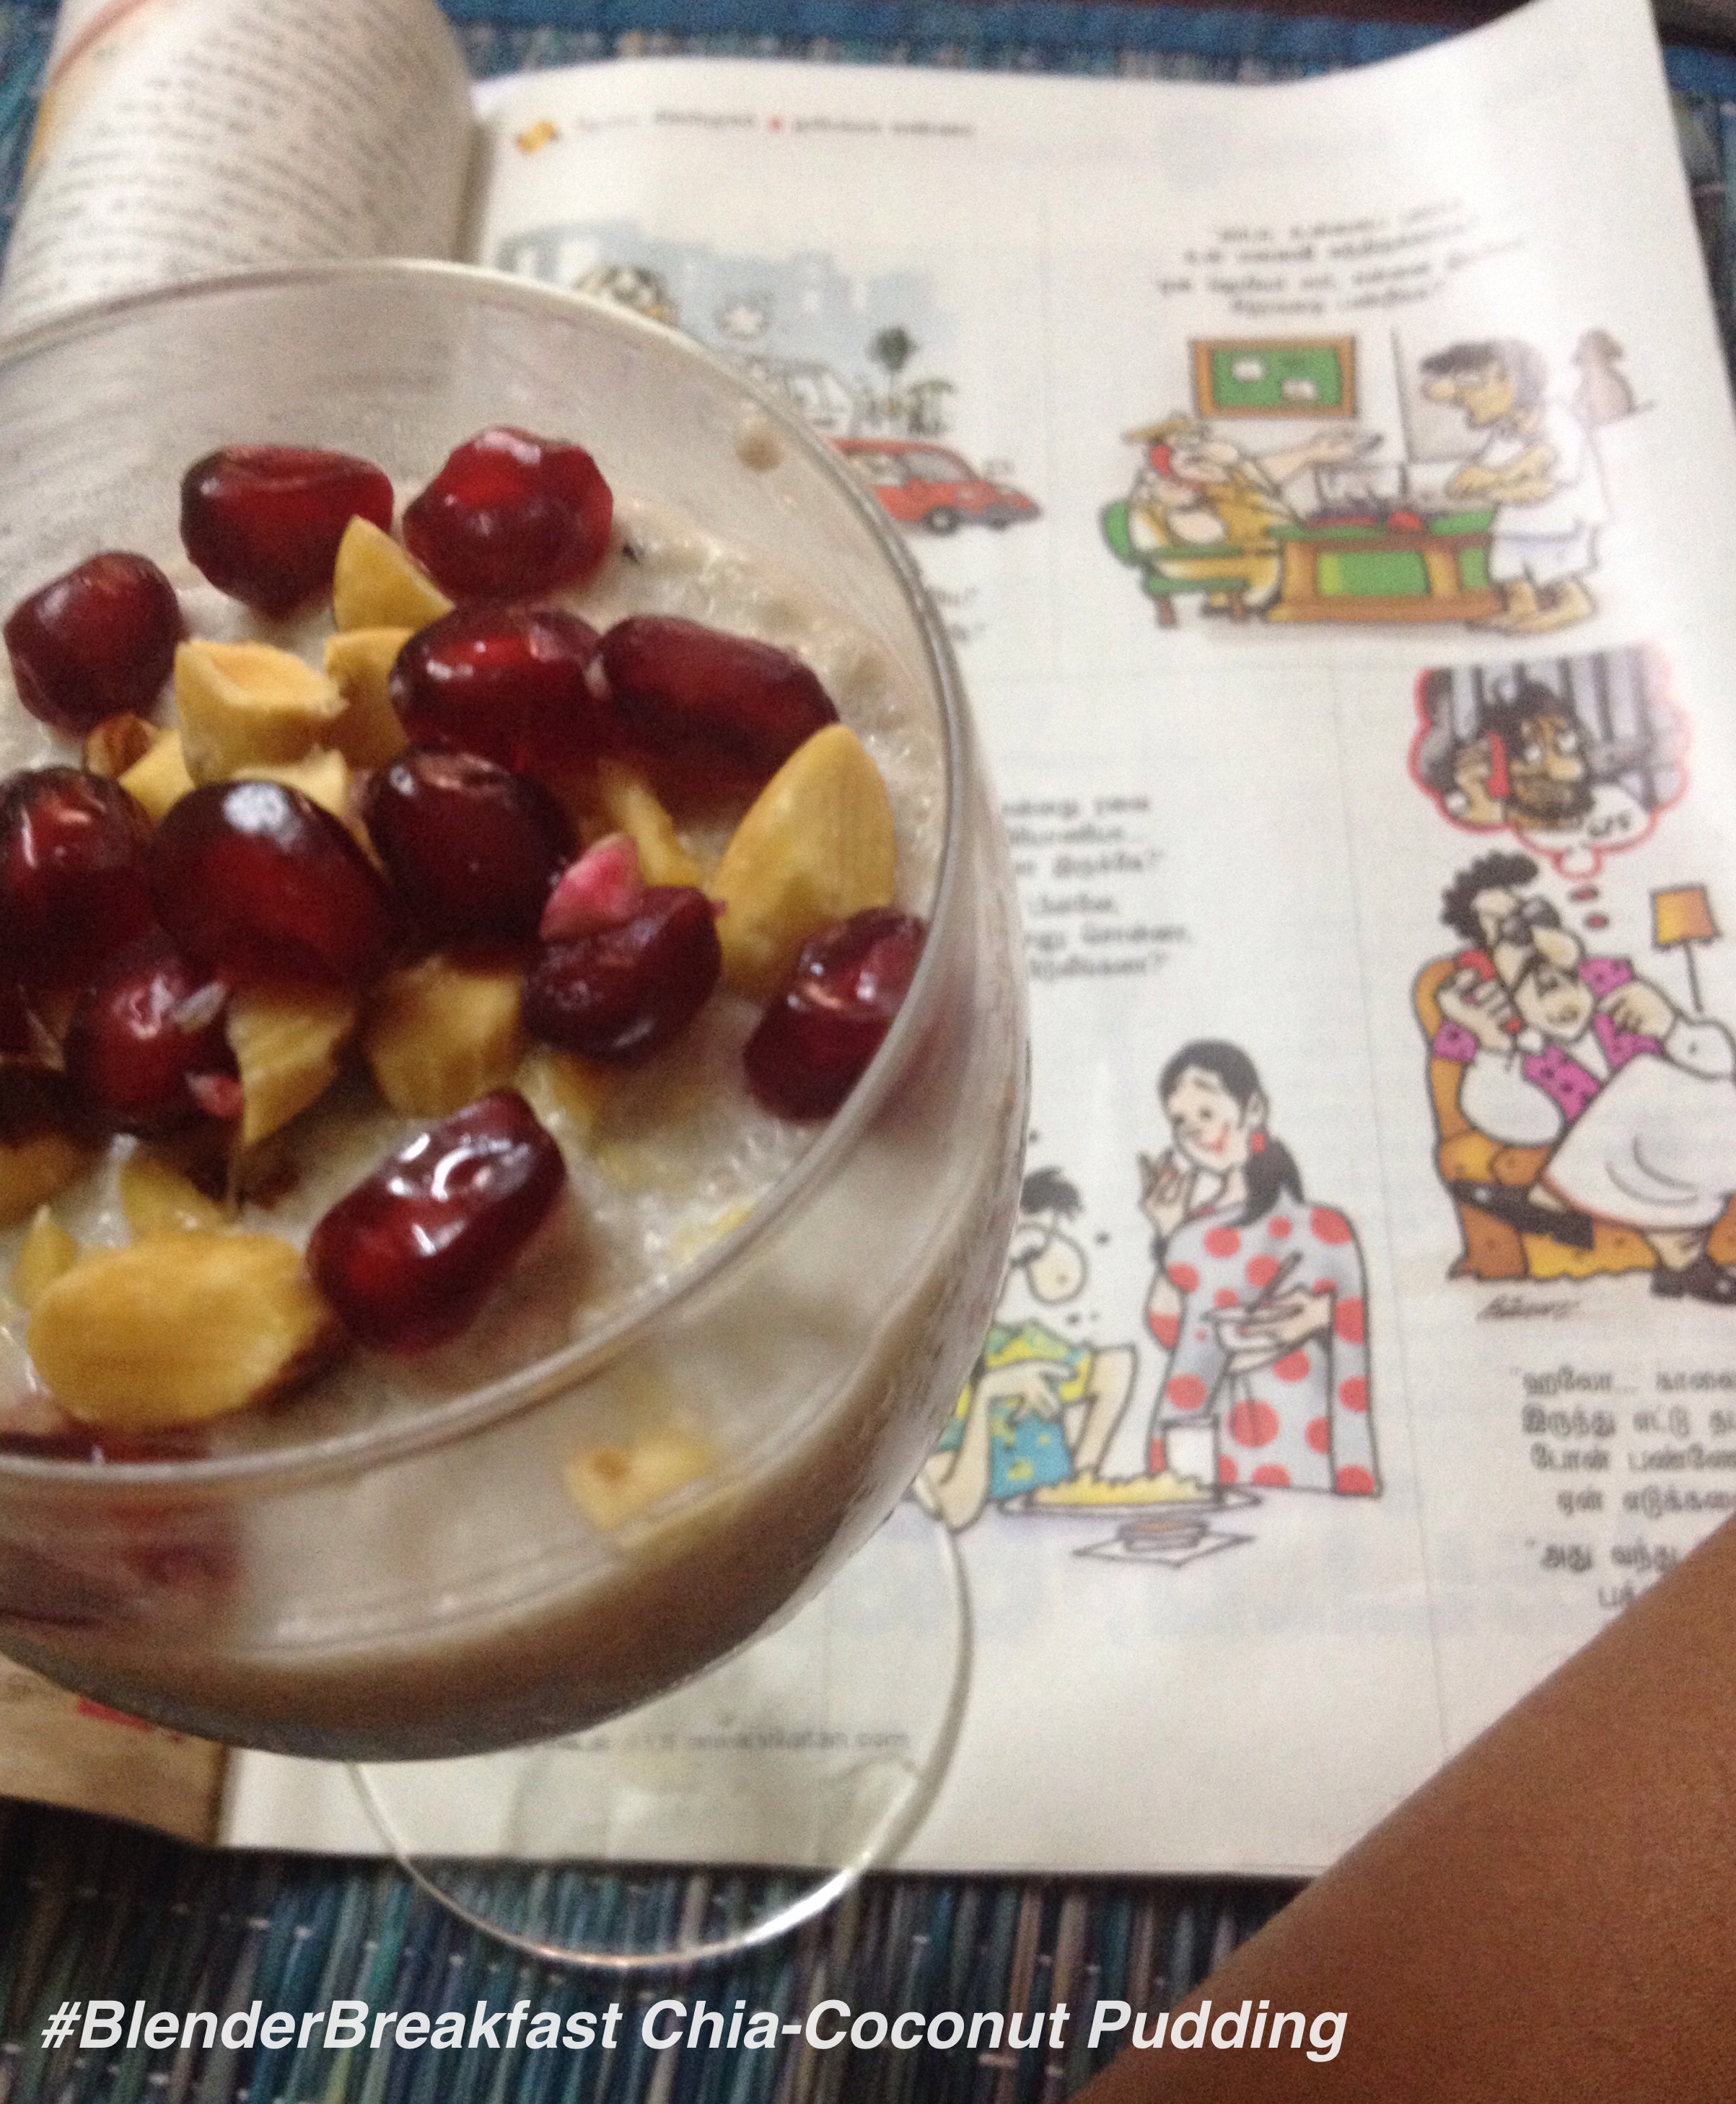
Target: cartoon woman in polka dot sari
[(1258, 1298)]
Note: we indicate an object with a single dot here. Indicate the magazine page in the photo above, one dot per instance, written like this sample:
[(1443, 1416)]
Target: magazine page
[(58, 1748), (1329, 490), (181, 139)]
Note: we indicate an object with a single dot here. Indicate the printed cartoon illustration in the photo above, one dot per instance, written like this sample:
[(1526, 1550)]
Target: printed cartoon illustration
[(846, 354), (1041, 1407), (630, 285), (1258, 1298), (1603, 395), (1538, 467), (1203, 515), (1480, 501), (933, 487), (1575, 755), (1586, 1123)]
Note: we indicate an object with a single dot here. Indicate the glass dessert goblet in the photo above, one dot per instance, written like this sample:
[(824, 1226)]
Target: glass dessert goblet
[(408, 1566)]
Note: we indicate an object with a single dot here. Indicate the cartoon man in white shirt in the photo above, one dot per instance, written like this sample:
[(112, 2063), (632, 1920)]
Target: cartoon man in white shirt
[(1538, 467)]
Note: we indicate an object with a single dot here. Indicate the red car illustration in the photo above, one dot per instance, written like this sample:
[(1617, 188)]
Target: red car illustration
[(920, 484)]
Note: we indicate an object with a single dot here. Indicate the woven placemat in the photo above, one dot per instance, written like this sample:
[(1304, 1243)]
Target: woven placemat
[(88, 1907)]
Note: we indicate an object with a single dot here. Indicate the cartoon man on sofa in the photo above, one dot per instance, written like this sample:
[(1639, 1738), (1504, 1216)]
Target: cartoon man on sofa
[(1577, 1102)]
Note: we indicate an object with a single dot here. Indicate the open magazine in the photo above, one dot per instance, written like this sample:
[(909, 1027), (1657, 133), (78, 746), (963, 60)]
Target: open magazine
[(1331, 491)]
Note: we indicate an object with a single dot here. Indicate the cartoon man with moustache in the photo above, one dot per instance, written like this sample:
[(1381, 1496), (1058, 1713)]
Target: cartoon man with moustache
[(1636, 1100)]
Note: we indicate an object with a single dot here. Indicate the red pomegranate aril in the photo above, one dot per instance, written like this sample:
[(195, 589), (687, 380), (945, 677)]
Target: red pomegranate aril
[(18, 1039), (506, 683), (254, 881), (689, 689), (73, 885), (810, 1047), (130, 1051), (473, 849), (98, 642), (511, 516), (34, 1100), (623, 992), (409, 1256), (263, 522)]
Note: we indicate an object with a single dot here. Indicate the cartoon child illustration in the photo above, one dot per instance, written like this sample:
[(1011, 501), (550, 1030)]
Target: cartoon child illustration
[(1258, 1298), (1197, 493), (1538, 467), (1636, 1101), (1041, 1408)]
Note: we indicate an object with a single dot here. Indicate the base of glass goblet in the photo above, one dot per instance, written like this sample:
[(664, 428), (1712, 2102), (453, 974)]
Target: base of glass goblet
[(818, 1749)]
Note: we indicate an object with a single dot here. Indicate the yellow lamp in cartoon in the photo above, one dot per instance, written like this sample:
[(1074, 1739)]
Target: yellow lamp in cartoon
[(1681, 918)]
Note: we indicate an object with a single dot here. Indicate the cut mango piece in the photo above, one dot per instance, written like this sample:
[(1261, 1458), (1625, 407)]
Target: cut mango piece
[(562, 1089), (160, 779), (247, 704), (378, 584), (157, 1198), (288, 1043), (178, 1328), (613, 1484), (816, 845), (632, 807), (119, 742), (48, 1250), (359, 662), (443, 1031), (36, 1170)]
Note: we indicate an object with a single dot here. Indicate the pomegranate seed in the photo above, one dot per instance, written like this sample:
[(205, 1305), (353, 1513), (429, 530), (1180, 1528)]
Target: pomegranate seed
[(681, 686), (17, 1036), (129, 1053), (98, 642), (263, 522), (72, 871), (511, 515), (601, 889), (810, 1046), (621, 993), (254, 881), (34, 1100), (510, 685), (408, 1257), (473, 849)]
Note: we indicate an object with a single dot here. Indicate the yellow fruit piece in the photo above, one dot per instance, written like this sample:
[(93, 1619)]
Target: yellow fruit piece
[(156, 1198), (322, 778), (378, 585), (613, 1484), (247, 704), (288, 1043), (443, 1031), (816, 845), (563, 1088), (359, 662), (48, 1249), (119, 742), (37, 1169), (693, 1240), (160, 779), (631, 808), (178, 1328)]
